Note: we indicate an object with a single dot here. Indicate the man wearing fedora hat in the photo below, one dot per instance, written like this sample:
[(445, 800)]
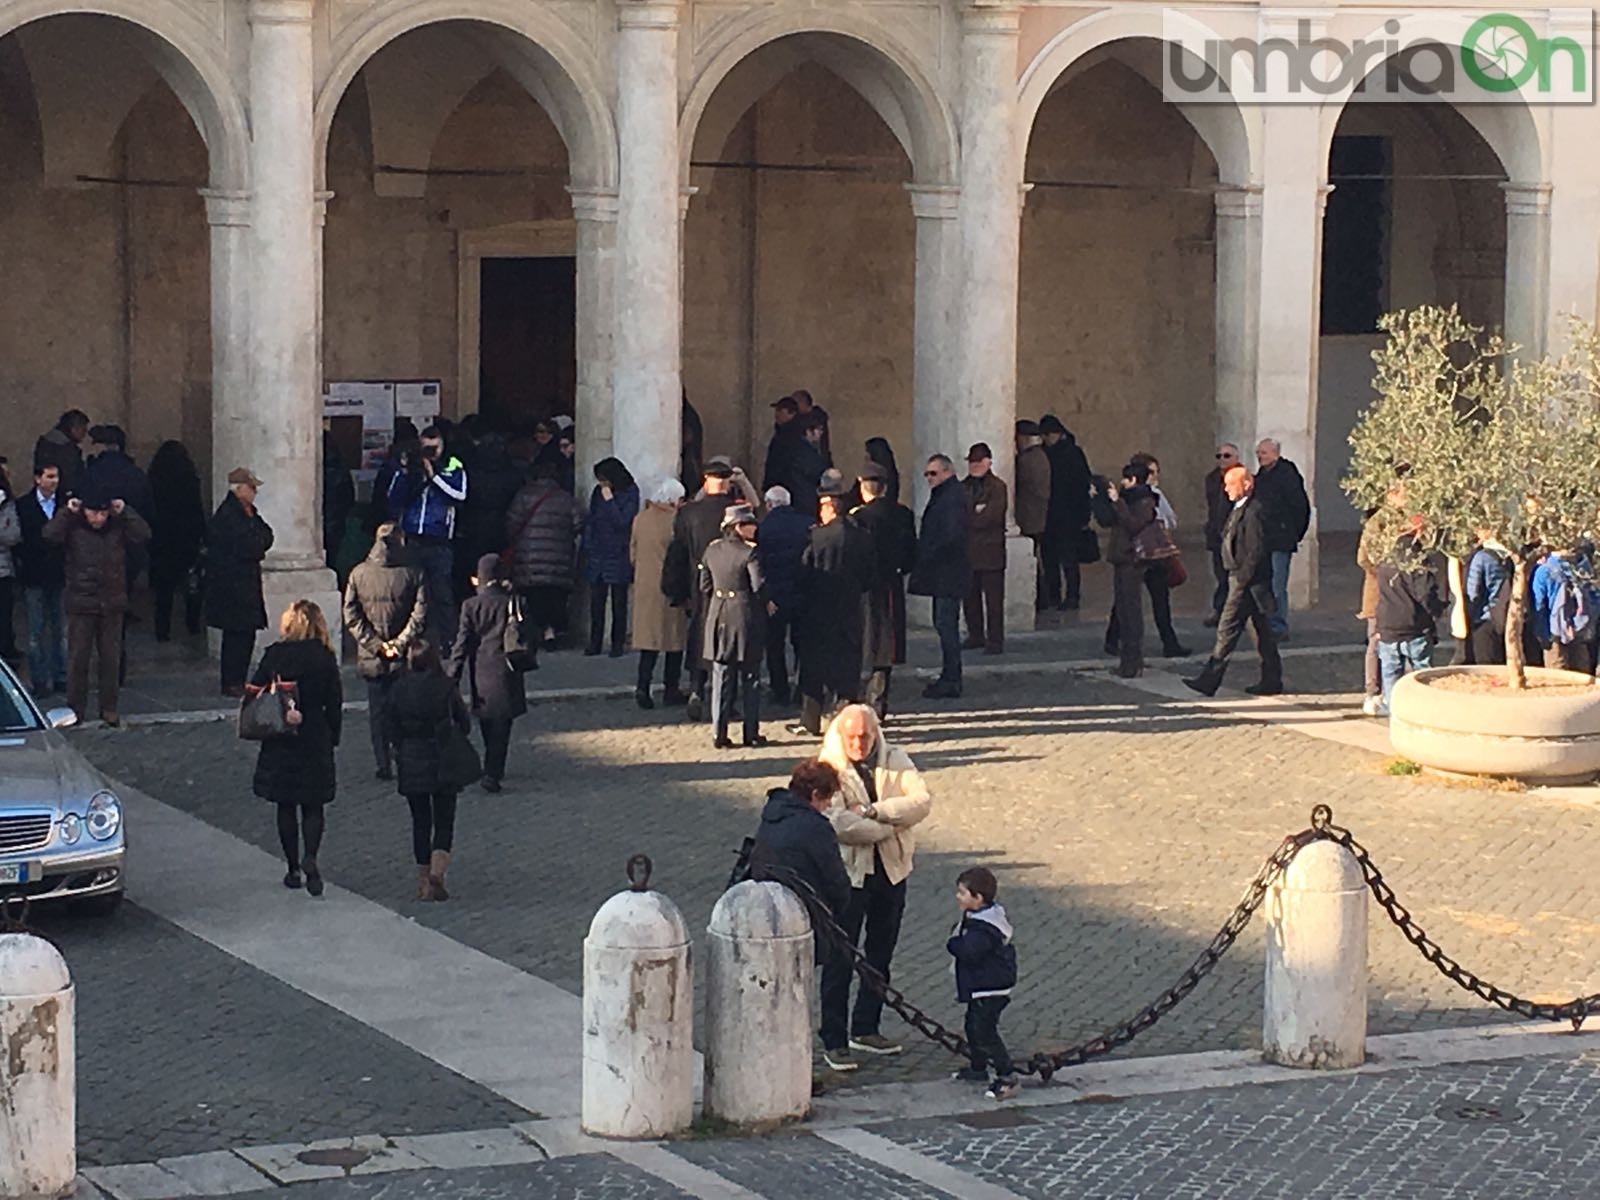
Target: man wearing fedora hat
[(835, 572), (735, 593), (693, 530), (237, 539)]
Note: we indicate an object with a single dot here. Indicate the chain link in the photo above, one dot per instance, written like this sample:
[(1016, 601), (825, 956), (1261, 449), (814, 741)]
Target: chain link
[(14, 915), (1046, 1064)]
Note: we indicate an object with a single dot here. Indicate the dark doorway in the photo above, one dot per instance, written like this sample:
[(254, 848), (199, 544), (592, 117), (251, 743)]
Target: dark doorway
[(527, 342)]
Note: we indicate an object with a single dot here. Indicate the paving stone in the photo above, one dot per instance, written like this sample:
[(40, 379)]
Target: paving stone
[(805, 1167), (215, 1173), (590, 1177), (471, 1148), (368, 1154), (138, 1181)]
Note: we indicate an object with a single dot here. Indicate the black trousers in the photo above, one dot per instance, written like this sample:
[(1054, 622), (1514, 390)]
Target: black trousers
[(496, 743), (1219, 594), (1127, 616), (8, 626), (377, 701), (879, 905), (723, 678), (987, 592), (165, 592), (1488, 644), (1155, 583), (983, 1034), (1240, 609), (433, 824), (618, 593), (547, 608), (1058, 561), (783, 634), (308, 820), (672, 674), (238, 648)]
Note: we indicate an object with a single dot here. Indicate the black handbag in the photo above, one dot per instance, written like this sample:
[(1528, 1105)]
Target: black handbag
[(459, 764), (521, 655), (264, 712), (1088, 545)]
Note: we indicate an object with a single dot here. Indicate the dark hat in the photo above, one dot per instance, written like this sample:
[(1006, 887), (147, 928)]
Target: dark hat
[(1027, 428), (832, 483), (979, 451), (489, 568), (738, 514), (243, 475), (109, 435), (873, 471), (1050, 423), (718, 466), (787, 404), (95, 495)]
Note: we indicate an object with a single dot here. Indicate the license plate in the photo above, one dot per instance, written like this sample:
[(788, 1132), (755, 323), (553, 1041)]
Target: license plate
[(14, 873)]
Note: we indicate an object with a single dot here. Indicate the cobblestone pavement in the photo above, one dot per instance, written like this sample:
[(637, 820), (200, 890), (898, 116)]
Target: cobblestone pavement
[(592, 1177), (1123, 829)]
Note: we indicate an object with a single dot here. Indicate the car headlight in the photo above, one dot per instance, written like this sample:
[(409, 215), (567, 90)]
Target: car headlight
[(71, 828), (104, 817)]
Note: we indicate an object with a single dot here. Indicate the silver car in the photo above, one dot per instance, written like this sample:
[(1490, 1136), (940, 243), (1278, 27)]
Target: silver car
[(61, 835)]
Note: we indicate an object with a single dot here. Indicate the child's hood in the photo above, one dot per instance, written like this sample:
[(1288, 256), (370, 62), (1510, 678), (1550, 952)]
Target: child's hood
[(994, 914)]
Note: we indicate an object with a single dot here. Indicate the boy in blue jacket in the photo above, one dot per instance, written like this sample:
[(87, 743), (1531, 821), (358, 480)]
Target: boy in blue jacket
[(986, 971)]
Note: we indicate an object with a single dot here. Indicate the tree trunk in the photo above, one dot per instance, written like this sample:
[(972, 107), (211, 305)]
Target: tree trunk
[(1516, 617)]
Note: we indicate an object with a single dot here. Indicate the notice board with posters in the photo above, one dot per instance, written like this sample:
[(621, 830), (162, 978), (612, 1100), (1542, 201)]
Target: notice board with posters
[(360, 415)]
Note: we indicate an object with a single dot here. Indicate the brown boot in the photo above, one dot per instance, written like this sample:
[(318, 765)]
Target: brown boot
[(436, 870), (424, 884)]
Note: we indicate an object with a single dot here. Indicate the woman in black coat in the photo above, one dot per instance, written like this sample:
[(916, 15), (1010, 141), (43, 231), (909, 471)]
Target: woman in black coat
[(423, 706), (498, 698), (295, 771), (178, 531)]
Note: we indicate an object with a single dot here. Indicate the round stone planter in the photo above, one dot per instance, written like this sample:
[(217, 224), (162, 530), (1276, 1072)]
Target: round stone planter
[(1548, 739)]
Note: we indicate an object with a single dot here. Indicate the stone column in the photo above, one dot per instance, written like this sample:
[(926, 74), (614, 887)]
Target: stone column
[(233, 426), (1574, 262), (985, 309), (1527, 264), (933, 370), (1238, 312), (1293, 197), (649, 317), (596, 215), (285, 390)]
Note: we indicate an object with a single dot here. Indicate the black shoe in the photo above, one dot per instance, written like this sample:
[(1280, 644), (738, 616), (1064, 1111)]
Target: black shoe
[(490, 784), (313, 877), (722, 743), (383, 773), (754, 743), (1111, 650), (673, 698), (1265, 689), (591, 651), (614, 652), (1211, 620), (942, 689), (1067, 606), (1202, 686), (695, 708), (642, 697), (972, 644), (1175, 651), (291, 879), (971, 1075)]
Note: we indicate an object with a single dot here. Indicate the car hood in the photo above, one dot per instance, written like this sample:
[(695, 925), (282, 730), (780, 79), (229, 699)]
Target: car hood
[(39, 768)]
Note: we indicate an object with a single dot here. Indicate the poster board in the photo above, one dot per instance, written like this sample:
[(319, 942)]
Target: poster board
[(377, 404)]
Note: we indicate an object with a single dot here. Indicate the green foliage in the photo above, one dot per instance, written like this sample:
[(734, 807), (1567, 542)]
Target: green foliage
[(1401, 766)]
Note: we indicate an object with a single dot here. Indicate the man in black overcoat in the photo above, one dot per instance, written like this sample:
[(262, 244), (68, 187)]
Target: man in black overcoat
[(835, 572), (696, 526), (1248, 560)]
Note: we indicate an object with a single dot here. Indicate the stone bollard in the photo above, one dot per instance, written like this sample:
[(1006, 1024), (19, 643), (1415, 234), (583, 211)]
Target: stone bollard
[(759, 972), (638, 1016), (38, 1124), (1316, 999)]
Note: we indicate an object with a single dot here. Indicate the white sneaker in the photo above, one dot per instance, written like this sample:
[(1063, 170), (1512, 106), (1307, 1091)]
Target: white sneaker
[(1371, 705)]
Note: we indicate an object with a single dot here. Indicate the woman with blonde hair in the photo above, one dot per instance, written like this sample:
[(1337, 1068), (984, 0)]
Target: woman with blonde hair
[(295, 770)]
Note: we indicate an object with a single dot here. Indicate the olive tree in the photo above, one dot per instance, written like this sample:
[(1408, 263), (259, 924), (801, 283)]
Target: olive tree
[(1480, 446)]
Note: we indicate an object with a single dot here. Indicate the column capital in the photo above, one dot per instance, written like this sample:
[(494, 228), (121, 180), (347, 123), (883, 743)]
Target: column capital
[(934, 201), (594, 204), (280, 12), (319, 208), (686, 195), (224, 207), (1237, 202), (647, 14), (996, 18), (1526, 199)]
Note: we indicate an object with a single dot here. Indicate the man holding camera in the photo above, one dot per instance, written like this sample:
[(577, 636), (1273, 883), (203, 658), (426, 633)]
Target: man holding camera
[(423, 497)]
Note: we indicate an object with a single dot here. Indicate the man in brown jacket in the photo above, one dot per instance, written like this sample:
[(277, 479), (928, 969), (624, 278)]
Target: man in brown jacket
[(1033, 495), (986, 548), (97, 530)]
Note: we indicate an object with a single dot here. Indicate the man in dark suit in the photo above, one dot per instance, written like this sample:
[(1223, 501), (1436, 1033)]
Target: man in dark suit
[(1248, 559), (1218, 506), (696, 526)]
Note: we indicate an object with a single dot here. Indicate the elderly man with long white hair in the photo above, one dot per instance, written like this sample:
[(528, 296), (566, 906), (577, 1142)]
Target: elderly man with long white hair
[(659, 627), (882, 798)]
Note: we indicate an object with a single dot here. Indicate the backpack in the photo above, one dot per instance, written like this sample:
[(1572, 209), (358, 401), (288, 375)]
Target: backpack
[(521, 656), (1569, 609)]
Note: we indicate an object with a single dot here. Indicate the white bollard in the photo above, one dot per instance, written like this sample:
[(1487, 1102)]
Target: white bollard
[(638, 1018), (38, 1123), (759, 973), (1316, 997)]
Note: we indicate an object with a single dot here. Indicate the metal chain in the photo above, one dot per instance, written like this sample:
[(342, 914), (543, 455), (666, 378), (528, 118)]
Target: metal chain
[(1574, 1010), (14, 915)]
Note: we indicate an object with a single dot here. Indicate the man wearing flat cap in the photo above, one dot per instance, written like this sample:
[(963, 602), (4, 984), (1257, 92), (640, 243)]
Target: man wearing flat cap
[(735, 594), (1032, 491), (893, 531), (237, 539), (696, 526), (835, 572)]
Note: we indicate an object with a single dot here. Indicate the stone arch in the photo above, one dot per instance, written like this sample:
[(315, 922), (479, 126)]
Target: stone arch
[(885, 72), (1518, 138), (1232, 134), (535, 47), (187, 57)]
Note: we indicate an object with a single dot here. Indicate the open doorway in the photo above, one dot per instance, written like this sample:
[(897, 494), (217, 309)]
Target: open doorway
[(527, 341)]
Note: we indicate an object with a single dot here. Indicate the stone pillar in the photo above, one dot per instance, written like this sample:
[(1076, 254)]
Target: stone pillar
[(933, 371), (38, 1076), (1527, 264), (1316, 982), (233, 426), (1238, 312), (984, 406), (648, 333), (596, 215), (1574, 279), (285, 391), (1288, 332)]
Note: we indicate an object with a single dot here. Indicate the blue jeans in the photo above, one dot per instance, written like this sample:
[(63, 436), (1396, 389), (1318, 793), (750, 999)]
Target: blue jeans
[(1397, 658), (47, 638), (947, 624), (1281, 560)]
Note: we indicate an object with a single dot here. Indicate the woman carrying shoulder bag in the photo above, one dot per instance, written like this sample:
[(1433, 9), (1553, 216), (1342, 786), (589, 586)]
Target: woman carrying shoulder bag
[(498, 696), (294, 770), (424, 714)]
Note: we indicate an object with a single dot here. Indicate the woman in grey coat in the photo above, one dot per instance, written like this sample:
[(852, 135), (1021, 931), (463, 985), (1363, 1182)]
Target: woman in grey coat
[(498, 697)]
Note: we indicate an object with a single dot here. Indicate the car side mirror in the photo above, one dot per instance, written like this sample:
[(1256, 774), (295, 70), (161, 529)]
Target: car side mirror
[(61, 718)]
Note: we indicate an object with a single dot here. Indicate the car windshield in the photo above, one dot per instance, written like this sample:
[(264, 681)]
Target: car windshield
[(16, 714)]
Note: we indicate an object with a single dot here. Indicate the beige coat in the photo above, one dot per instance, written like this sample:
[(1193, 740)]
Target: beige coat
[(903, 802), (657, 625)]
